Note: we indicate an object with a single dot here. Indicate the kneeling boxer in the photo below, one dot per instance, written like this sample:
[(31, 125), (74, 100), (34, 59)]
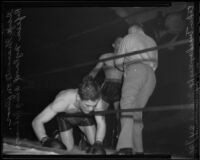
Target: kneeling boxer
[(85, 99)]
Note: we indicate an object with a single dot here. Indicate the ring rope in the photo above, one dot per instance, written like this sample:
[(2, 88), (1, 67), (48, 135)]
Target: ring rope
[(181, 42), (113, 22), (146, 109)]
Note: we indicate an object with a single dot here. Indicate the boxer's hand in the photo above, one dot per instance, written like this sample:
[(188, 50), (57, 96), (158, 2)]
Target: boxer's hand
[(97, 148), (52, 143)]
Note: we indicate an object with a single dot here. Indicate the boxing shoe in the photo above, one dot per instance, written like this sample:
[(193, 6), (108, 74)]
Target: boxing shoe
[(125, 151), (129, 151), (97, 149)]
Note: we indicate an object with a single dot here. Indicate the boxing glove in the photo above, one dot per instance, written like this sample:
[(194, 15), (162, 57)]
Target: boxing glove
[(52, 143), (97, 148)]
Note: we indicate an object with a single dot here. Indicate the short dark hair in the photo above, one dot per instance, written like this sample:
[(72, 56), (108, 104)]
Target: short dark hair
[(89, 89)]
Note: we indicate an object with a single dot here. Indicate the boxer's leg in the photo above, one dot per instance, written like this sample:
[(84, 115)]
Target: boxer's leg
[(90, 132), (65, 125), (117, 107), (142, 99), (133, 82), (68, 139), (118, 122), (88, 127)]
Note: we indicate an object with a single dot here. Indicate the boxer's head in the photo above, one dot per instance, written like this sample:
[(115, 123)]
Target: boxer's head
[(135, 28), (89, 93), (116, 44)]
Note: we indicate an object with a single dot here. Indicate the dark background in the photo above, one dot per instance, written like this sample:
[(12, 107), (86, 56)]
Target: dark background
[(55, 38)]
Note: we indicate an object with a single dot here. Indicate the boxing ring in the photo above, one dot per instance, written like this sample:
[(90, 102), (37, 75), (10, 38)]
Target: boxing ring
[(13, 146), (27, 147)]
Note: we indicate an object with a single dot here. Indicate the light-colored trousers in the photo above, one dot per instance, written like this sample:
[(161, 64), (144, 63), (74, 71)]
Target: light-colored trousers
[(138, 86)]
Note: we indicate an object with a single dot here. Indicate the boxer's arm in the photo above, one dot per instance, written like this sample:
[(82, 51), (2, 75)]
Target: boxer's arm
[(122, 50), (101, 123), (46, 115), (97, 68), (101, 128)]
